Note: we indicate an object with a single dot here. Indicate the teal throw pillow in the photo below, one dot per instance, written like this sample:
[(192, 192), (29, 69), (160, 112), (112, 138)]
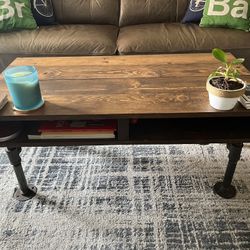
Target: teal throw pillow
[(226, 13), (16, 14)]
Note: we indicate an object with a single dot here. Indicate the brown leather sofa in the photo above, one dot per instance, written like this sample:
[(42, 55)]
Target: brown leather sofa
[(113, 27)]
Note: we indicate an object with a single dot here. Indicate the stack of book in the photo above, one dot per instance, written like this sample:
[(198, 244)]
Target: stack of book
[(3, 100), (87, 129), (245, 99)]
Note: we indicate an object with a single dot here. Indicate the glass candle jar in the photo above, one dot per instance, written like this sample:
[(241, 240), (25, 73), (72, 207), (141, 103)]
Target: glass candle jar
[(23, 86)]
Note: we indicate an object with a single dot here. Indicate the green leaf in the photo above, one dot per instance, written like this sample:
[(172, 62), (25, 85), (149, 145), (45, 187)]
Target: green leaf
[(236, 73), (216, 73), (219, 55), (238, 61)]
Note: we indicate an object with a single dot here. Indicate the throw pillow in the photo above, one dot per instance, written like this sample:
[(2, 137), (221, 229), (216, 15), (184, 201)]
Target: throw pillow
[(43, 12), (226, 13), (16, 14), (194, 12)]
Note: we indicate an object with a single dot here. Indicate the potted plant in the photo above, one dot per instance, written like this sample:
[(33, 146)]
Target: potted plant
[(224, 85)]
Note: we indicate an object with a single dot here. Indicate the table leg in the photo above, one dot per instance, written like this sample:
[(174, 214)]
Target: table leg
[(24, 192), (225, 189)]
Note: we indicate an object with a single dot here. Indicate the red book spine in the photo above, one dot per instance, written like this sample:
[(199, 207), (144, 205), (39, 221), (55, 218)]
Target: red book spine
[(66, 126)]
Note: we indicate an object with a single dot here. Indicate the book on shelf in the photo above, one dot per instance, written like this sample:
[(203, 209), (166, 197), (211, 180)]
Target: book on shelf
[(86, 129), (245, 98), (70, 136), (3, 100), (85, 125)]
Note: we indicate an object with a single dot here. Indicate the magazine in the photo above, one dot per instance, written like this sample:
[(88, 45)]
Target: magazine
[(245, 99), (246, 96)]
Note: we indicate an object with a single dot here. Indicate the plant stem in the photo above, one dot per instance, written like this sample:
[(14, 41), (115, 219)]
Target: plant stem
[(226, 83)]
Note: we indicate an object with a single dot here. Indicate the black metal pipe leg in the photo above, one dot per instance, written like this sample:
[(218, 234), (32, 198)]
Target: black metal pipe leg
[(24, 192), (225, 189)]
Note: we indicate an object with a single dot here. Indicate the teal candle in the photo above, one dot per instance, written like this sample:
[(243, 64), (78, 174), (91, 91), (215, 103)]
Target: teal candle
[(23, 86)]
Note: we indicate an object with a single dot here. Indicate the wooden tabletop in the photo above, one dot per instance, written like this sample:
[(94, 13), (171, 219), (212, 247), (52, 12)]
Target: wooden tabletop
[(142, 86)]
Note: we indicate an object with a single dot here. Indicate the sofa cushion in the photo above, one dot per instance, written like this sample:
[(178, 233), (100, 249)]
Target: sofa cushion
[(147, 11), (61, 40), (87, 11), (176, 37), (182, 6)]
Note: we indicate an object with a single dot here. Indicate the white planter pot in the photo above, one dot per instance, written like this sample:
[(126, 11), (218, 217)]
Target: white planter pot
[(222, 103), (224, 99)]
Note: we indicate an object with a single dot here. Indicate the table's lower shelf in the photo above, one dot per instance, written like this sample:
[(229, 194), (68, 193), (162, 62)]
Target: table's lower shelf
[(154, 131)]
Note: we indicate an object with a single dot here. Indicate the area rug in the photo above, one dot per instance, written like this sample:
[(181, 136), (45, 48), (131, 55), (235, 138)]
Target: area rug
[(125, 197)]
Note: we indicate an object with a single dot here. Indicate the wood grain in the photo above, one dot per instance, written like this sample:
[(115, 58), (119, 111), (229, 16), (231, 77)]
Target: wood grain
[(148, 86)]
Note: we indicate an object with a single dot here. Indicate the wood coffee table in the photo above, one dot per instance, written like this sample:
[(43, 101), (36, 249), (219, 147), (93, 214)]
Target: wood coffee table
[(166, 93)]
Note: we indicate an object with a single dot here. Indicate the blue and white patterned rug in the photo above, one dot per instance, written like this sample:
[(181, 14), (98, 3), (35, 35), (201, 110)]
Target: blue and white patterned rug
[(125, 197)]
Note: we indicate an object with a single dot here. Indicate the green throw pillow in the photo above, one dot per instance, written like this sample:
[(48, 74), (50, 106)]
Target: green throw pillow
[(226, 13), (16, 14)]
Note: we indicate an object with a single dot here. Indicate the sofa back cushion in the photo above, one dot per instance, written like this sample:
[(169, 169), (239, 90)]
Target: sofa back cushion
[(87, 11), (150, 11), (181, 9)]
